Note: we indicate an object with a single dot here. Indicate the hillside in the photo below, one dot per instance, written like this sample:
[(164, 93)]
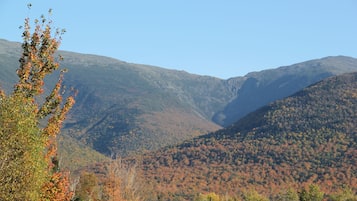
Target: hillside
[(309, 137), (261, 88), (123, 108), (126, 108)]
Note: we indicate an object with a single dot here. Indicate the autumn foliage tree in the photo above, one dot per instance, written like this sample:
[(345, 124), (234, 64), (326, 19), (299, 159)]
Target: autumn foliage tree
[(28, 126), (87, 188)]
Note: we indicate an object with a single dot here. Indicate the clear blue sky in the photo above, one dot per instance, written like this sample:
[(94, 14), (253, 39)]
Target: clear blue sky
[(223, 38)]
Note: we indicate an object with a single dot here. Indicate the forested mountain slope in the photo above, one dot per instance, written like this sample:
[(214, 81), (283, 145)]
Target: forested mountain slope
[(123, 108), (310, 137), (128, 108)]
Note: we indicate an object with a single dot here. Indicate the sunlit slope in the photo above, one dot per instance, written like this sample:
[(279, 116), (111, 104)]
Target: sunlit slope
[(310, 137)]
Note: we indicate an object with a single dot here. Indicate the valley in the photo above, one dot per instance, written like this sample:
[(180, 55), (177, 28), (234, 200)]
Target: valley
[(187, 134)]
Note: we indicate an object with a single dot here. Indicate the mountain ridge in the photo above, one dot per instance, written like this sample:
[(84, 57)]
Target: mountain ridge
[(131, 108), (265, 86)]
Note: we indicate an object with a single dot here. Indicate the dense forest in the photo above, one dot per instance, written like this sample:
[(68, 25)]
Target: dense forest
[(307, 138)]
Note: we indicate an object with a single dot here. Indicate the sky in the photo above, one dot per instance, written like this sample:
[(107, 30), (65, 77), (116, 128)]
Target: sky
[(224, 39)]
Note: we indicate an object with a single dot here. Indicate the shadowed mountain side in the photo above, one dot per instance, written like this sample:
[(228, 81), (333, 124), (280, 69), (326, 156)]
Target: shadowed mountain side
[(308, 137), (261, 88), (9, 62)]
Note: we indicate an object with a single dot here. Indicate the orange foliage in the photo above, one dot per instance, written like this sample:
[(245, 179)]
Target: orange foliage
[(56, 189), (38, 61)]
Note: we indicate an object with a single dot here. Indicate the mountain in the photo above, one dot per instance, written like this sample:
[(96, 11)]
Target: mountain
[(261, 88), (309, 137), (124, 108)]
